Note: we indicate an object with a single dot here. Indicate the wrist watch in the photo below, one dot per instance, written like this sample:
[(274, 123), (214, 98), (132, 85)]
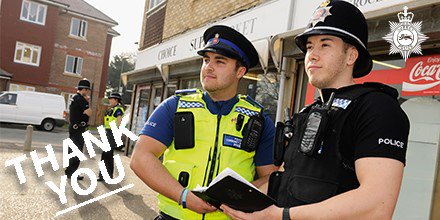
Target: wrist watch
[(286, 214)]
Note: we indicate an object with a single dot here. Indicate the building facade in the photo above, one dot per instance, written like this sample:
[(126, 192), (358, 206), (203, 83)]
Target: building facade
[(167, 61), (49, 45)]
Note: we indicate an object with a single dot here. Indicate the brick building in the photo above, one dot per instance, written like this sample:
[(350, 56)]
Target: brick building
[(49, 45)]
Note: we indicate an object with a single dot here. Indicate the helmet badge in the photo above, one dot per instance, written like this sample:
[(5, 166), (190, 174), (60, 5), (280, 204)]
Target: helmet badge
[(216, 40), (319, 15)]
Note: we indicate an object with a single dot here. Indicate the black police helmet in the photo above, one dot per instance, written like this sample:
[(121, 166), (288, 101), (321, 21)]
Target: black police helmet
[(115, 95), (83, 84), (342, 19), (228, 42)]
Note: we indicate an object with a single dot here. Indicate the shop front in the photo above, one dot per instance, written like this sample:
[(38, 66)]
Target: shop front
[(418, 83), (174, 64)]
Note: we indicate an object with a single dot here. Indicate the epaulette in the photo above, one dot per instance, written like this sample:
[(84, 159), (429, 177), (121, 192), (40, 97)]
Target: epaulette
[(252, 101), (183, 92)]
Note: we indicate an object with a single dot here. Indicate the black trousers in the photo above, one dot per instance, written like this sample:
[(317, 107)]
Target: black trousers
[(77, 138), (107, 157)]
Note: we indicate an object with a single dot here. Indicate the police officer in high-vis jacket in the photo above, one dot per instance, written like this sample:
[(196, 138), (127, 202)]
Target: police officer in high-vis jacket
[(113, 114), (79, 113), (201, 133), (346, 157)]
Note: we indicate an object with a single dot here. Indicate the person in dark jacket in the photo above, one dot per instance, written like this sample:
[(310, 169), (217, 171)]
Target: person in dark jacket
[(79, 113), (347, 154)]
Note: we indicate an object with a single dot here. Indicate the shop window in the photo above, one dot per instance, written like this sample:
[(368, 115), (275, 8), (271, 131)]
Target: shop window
[(73, 65), (78, 28), (191, 83), (33, 12), (171, 90), (266, 92), (27, 54), (140, 109), (157, 94)]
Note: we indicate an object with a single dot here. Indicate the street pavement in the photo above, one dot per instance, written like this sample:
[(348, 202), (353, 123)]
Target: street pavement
[(35, 200)]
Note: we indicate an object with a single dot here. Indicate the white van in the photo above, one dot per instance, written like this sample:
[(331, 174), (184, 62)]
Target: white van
[(25, 107)]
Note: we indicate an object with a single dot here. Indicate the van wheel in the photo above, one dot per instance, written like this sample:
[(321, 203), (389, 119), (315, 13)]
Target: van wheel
[(48, 124)]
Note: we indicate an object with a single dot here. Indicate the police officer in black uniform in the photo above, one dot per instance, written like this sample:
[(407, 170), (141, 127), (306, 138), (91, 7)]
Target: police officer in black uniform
[(80, 112), (114, 113), (347, 154)]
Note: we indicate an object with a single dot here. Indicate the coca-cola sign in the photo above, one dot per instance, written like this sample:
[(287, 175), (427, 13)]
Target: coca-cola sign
[(423, 77), (419, 77)]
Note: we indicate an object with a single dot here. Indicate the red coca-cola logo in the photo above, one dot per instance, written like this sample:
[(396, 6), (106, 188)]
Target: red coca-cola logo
[(429, 72), (424, 77)]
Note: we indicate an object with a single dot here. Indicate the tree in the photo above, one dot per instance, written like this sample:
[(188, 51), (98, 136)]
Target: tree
[(120, 64)]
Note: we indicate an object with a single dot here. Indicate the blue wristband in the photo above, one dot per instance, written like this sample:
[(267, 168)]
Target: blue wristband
[(185, 192), (180, 198)]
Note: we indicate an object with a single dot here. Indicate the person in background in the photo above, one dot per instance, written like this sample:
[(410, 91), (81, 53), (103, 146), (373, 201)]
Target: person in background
[(113, 114), (79, 113)]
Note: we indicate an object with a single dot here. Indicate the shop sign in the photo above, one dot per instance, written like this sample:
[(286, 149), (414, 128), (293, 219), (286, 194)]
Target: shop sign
[(258, 23), (423, 79)]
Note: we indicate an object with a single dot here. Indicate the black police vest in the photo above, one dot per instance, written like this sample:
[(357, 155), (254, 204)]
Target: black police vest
[(311, 179)]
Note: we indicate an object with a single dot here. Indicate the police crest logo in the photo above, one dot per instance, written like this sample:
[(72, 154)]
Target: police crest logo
[(405, 36)]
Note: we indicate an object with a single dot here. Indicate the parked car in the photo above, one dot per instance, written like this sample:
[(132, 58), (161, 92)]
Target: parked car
[(25, 107)]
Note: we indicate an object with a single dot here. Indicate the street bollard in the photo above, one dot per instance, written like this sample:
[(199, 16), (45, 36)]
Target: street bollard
[(28, 140)]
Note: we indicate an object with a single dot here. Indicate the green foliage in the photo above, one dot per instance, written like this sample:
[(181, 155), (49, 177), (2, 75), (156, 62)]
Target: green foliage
[(120, 64)]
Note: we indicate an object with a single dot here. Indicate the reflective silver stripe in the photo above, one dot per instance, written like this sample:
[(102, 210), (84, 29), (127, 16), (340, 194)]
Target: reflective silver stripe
[(338, 30)]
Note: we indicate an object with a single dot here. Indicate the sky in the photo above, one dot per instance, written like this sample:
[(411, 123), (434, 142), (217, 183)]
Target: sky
[(128, 14)]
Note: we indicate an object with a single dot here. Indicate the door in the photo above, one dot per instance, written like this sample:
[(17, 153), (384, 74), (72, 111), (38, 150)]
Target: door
[(29, 108), (141, 108)]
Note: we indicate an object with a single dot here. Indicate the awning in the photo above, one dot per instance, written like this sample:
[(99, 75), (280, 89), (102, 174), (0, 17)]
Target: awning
[(139, 75), (5, 75)]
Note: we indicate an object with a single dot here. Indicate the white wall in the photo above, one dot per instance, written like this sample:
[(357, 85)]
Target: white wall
[(416, 194)]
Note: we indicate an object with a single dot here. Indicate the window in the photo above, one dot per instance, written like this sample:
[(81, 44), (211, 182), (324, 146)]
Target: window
[(13, 87), (8, 99), (68, 98), (154, 3), (33, 12), (78, 28), (27, 54), (191, 83), (73, 65), (17, 87)]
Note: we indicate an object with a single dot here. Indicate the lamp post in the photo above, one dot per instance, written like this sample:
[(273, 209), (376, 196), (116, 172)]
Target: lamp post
[(122, 69)]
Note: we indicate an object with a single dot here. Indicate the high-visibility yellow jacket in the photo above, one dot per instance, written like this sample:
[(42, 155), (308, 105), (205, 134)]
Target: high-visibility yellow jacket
[(217, 146)]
